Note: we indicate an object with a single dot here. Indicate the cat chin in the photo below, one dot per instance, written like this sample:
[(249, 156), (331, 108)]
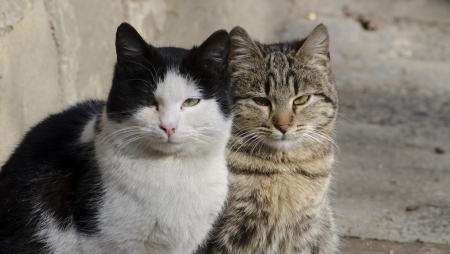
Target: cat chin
[(281, 145), (172, 149)]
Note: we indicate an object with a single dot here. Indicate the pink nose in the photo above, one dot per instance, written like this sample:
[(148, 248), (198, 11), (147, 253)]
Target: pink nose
[(283, 127), (169, 129)]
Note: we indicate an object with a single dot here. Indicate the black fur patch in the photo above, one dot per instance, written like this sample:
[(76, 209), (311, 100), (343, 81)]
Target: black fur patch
[(140, 67), (52, 172)]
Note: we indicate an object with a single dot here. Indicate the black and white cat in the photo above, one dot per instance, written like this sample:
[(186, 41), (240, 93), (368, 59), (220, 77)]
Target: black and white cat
[(143, 172)]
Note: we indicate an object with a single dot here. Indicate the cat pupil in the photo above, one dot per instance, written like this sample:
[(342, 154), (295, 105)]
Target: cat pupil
[(262, 101), (147, 99)]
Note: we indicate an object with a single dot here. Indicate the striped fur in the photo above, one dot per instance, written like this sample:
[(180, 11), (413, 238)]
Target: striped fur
[(279, 182)]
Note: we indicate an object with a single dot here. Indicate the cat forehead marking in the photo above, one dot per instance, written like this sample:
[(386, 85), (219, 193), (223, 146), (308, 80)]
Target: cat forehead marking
[(278, 61), (175, 88), (278, 68)]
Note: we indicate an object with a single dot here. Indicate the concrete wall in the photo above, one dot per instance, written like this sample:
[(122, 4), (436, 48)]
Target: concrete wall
[(56, 52)]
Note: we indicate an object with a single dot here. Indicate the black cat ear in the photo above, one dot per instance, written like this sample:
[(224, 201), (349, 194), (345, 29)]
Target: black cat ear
[(315, 48), (129, 43), (242, 48), (214, 51)]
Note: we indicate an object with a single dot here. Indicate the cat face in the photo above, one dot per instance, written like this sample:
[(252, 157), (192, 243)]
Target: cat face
[(284, 93), (169, 99)]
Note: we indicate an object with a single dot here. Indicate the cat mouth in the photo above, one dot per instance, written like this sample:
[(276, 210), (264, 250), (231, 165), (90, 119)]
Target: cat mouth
[(171, 141), (283, 138)]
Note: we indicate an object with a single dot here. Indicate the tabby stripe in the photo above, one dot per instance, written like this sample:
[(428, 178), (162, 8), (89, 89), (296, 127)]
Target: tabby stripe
[(291, 74), (271, 79), (323, 126), (327, 99), (315, 248), (267, 86), (298, 171), (237, 98), (295, 87)]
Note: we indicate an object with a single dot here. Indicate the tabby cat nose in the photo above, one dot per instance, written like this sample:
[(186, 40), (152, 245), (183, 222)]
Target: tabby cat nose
[(169, 129), (283, 127)]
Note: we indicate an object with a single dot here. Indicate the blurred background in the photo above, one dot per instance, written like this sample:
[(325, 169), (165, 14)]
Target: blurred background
[(391, 60)]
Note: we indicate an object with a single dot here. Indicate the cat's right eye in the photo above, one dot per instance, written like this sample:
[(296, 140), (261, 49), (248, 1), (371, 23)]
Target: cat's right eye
[(148, 100), (191, 102), (262, 101)]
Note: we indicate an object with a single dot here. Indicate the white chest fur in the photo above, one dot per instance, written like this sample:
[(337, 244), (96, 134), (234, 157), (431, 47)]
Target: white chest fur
[(155, 205), (160, 205)]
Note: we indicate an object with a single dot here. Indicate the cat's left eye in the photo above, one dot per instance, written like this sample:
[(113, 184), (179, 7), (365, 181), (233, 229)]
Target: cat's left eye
[(191, 102), (148, 100), (301, 100), (262, 101)]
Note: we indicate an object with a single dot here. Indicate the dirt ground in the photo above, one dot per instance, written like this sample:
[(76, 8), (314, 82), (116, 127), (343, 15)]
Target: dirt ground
[(359, 246)]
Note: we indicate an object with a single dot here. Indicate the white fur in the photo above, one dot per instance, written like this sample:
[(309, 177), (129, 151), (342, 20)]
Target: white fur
[(88, 133), (161, 197)]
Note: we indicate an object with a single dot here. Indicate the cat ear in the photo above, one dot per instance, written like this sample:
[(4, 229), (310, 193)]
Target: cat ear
[(214, 51), (242, 48), (315, 48), (129, 43)]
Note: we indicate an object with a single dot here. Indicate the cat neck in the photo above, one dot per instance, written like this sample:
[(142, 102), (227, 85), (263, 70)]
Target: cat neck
[(265, 160), (302, 151)]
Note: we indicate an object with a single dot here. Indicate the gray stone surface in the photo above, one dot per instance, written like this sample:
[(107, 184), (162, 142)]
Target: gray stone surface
[(29, 86), (394, 92), (11, 12), (393, 83)]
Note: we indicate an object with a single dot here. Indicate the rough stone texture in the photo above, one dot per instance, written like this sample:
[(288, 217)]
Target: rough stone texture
[(29, 87), (11, 12), (390, 182), (97, 22), (358, 246), (186, 23)]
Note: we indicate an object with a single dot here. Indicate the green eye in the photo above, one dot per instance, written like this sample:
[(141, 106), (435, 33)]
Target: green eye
[(262, 101), (191, 102), (301, 100)]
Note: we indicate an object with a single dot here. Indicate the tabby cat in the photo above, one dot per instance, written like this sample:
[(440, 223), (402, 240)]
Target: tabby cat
[(143, 172), (281, 151)]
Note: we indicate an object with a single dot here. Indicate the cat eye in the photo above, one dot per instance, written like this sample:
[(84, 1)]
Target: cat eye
[(301, 100), (262, 101), (191, 102), (148, 100)]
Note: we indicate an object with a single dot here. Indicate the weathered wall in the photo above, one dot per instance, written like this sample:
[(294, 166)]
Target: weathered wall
[(56, 52)]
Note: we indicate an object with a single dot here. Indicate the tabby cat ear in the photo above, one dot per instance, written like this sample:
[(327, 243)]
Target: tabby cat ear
[(315, 49), (129, 43), (214, 52), (242, 48)]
